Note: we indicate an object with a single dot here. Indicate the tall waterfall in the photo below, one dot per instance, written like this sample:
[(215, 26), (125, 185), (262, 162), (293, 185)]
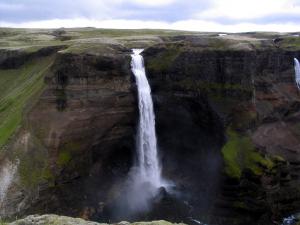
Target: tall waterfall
[(297, 72), (144, 180), (148, 167)]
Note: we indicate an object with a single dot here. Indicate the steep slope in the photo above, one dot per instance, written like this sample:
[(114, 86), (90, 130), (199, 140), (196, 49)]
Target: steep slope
[(21, 78), (81, 129)]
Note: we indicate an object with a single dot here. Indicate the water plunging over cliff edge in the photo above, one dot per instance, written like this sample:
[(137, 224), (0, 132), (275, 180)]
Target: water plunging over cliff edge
[(297, 72), (148, 167), (145, 180)]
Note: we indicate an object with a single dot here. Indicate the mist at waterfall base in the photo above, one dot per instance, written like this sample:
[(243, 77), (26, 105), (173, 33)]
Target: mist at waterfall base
[(144, 182), (297, 72)]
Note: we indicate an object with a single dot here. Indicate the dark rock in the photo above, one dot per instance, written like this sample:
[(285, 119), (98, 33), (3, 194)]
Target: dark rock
[(12, 59)]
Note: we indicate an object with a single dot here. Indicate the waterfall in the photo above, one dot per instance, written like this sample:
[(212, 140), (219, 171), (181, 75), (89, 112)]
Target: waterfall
[(148, 167), (144, 180), (297, 72), (7, 174)]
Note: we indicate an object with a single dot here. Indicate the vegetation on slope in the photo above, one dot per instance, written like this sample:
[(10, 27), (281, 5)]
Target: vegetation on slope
[(239, 153), (292, 43), (18, 86)]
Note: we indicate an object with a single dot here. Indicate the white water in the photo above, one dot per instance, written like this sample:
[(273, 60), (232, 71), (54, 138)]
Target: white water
[(148, 169), (7, 174), (144, 182), (297, 72), (291, 220)]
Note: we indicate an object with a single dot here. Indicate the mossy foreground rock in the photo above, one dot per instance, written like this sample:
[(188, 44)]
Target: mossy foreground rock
[(64, 220)]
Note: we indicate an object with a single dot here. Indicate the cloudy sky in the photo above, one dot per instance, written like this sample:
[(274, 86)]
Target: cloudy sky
[(198, 15)]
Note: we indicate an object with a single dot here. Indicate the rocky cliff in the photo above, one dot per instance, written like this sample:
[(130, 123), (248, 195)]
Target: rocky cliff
[(234, 110), (80, 129), (227, 116)]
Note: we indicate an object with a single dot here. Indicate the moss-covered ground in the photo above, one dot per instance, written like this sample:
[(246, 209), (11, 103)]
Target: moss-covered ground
[(292, 43), (34, 167), (87, 38), (239, 153)]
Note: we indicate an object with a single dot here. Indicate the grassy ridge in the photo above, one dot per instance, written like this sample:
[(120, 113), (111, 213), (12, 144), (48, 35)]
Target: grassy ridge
[(18, 86)]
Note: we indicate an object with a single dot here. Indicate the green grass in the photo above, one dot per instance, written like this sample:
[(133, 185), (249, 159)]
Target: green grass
[(98, 48), (92, 32), (67, 152), (63, 158), (239, 153), (33, 162), (18, 86), (11, 37), (290, 43)]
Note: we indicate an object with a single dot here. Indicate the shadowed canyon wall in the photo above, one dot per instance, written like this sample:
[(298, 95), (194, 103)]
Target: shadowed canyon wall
[(245, 105)]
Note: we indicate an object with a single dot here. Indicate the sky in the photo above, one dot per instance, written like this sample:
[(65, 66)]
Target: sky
[(194, 15)]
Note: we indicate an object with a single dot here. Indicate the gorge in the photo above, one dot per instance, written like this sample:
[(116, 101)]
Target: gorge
[(83, 134)]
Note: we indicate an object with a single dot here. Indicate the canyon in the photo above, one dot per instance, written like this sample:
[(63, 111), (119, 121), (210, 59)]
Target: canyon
[(227, 123)]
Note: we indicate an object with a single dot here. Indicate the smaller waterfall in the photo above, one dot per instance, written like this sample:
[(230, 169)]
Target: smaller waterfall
[(7, 174), (297, 72)]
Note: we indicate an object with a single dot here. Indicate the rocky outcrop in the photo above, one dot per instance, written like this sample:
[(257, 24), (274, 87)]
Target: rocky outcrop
[(14, 58), (63, 220)]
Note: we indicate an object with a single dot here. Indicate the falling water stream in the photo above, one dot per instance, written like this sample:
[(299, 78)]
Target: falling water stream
[(145, 180), (148, 167), (7, 173), (297, 72)]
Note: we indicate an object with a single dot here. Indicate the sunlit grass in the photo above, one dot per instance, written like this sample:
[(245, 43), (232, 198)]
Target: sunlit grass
[(18, 86)]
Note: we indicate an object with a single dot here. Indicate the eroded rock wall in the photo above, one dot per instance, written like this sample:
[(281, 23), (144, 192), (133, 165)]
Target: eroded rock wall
[(232, 114), (78, 138)]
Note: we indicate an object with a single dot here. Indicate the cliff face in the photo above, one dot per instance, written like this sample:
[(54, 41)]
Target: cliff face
[(227, 120), (241, 105), (14, 58), (79, 136)]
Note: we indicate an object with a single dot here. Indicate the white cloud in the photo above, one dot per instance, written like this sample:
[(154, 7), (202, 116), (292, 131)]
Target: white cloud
[(153, 3), (251, 9), (191, 25), (203, 25), (213, 15)]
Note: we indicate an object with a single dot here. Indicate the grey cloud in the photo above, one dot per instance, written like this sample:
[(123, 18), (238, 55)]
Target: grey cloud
[(32, 10)]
